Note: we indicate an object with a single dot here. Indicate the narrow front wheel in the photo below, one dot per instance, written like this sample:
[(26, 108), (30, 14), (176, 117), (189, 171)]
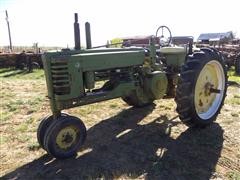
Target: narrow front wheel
[(65, 136)]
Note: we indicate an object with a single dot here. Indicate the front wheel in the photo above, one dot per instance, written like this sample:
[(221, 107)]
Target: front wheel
[(43, 126), (201, 88), (64, 137)]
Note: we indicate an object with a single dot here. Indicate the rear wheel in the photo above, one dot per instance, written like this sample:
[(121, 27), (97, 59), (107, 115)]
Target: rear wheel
[(65, 136), (201, 89), (137, 99)]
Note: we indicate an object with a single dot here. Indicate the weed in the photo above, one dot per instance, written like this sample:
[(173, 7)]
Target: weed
[(236, 96), (5, 116), (36, 101), (168, 108), (33, 147), (22, 128), (14, 105), (233, 175), (23, 138), (234, 114), (30, 120), (233, 101), (162, 106), (232, 76), (3, 139), (113, 105)]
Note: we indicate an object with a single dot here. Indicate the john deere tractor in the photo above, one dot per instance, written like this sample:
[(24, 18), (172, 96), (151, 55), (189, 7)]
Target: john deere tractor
[(196, 78)]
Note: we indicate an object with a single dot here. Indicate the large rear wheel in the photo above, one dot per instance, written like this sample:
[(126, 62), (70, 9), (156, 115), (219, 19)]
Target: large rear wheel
[(201, 89)]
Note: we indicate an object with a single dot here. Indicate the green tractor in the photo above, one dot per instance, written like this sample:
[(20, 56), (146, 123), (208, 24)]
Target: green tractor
[(138, 75)]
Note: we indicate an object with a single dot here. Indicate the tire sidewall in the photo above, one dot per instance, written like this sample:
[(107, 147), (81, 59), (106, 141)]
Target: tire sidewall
[(42, 128)]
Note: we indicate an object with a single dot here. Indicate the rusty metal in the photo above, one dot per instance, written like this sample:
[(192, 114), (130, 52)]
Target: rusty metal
[(77, 33), (230, 51), (88, 35), (23, 60)]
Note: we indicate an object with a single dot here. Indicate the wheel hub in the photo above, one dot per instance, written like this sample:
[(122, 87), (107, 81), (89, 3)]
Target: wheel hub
[(207, 88), (66, 137)]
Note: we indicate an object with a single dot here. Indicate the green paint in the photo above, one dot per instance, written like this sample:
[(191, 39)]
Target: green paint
[(71, 75)]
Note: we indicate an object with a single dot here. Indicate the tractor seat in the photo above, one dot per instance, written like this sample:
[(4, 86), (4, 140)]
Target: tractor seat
[(173, 50)]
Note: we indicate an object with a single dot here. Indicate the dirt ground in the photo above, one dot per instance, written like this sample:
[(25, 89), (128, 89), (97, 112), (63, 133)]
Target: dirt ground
[(122, 143)]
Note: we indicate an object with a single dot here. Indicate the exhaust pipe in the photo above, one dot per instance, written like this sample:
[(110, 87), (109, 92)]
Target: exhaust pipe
[(76, 33), (88, 35)]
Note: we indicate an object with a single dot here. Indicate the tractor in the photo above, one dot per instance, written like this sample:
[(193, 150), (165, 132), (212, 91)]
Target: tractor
[(196, 78)]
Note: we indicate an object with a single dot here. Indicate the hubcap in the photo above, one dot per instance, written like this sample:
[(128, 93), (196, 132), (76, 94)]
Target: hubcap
[(209, 89), (66, 137)]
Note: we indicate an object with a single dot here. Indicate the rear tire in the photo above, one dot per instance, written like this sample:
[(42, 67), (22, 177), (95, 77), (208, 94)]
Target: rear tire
[(201, 89), (137, 100)]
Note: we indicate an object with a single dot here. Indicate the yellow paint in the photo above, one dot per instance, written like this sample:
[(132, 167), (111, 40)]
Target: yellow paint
[(207, 79), (66, 137)]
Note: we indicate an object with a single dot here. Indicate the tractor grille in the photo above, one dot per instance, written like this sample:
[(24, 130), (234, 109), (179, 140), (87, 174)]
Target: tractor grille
[(60, 77)]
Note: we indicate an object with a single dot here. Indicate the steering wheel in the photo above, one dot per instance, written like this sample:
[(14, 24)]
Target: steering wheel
[(162, 40)]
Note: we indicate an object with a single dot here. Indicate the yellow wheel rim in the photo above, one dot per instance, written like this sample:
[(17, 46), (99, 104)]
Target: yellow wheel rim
[(66, 137), (209, 89)]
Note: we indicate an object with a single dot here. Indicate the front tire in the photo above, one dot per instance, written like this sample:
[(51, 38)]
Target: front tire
[(64, 137), (43, 126), (201, 88)]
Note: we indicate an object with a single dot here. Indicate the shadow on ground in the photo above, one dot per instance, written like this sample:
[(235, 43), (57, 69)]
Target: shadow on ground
[(14, 73), (119, 146), (6, 70)]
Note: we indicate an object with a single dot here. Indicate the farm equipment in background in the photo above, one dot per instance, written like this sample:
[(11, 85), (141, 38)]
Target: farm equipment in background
[(138, 75), (230, 52), (23, 60)]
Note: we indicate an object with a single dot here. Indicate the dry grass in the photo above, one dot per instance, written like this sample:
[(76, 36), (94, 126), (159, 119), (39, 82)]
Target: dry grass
[(123, 142)]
